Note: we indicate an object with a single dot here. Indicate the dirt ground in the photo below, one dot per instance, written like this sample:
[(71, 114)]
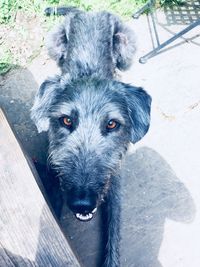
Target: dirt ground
[(160, 176)]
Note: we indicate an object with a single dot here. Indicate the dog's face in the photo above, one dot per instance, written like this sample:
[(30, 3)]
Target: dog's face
[(90, 124)]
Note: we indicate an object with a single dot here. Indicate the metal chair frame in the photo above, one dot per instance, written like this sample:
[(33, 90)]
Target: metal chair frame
[(150, 5)]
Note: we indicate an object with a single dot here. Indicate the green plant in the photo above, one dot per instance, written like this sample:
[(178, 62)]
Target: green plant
[(5, 61), (8, 8), (5, 7)]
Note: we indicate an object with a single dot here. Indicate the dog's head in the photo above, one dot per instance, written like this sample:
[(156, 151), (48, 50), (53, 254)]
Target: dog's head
[(90, 124)]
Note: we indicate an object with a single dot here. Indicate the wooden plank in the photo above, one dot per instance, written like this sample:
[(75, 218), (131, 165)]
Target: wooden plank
[(29, 234)]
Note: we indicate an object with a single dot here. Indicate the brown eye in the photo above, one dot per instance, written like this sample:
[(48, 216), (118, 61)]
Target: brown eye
[(112, 124), (66, 121)]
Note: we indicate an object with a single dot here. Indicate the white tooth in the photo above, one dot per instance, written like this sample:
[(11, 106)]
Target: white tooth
[(94, 210), (83, 217)]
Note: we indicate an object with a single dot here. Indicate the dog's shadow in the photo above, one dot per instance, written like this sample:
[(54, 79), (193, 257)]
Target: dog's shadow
[(151, 193)]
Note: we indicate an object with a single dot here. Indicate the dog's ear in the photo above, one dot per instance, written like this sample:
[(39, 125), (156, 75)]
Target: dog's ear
[(58, 38), (57, 42), (139, 108), (42, 103), (123, 45)]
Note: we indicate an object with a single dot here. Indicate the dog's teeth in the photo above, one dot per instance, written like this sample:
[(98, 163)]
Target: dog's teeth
[(84, 217), (94, 210)]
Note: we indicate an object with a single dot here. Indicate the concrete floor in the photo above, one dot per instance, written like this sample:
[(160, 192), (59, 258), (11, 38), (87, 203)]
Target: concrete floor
[(160, 175)]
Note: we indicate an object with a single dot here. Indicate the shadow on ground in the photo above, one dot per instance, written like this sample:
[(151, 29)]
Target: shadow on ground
[(152, 193), (18, 88)]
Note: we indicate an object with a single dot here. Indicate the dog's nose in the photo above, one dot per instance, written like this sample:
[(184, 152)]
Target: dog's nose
[(82, 206)]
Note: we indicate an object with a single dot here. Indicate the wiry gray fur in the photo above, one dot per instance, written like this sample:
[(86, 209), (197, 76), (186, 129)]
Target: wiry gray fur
[(91, 43), (86, 156)]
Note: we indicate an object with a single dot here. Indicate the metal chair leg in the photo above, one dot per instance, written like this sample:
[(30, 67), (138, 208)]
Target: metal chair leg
[(155, 51)]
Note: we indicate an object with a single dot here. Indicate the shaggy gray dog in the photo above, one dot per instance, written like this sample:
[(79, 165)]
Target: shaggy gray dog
[(90, 118)]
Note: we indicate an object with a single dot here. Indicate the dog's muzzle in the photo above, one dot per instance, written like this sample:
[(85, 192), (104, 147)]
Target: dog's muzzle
[(83, 208)]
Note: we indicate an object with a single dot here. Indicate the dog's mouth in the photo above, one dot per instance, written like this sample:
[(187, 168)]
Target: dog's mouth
[(85, 217)]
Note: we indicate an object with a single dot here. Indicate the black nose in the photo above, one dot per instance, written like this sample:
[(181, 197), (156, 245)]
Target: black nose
[(82, 206)]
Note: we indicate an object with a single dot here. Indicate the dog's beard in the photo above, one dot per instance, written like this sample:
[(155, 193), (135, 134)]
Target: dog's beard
[(66, 185)]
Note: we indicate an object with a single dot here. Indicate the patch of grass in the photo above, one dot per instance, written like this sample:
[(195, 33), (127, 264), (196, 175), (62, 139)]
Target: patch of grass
[(5, 61), (4, 67), (9, 8)]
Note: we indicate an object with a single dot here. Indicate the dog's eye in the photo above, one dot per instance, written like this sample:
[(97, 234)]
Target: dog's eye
[(66, 121), (112, 124)]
